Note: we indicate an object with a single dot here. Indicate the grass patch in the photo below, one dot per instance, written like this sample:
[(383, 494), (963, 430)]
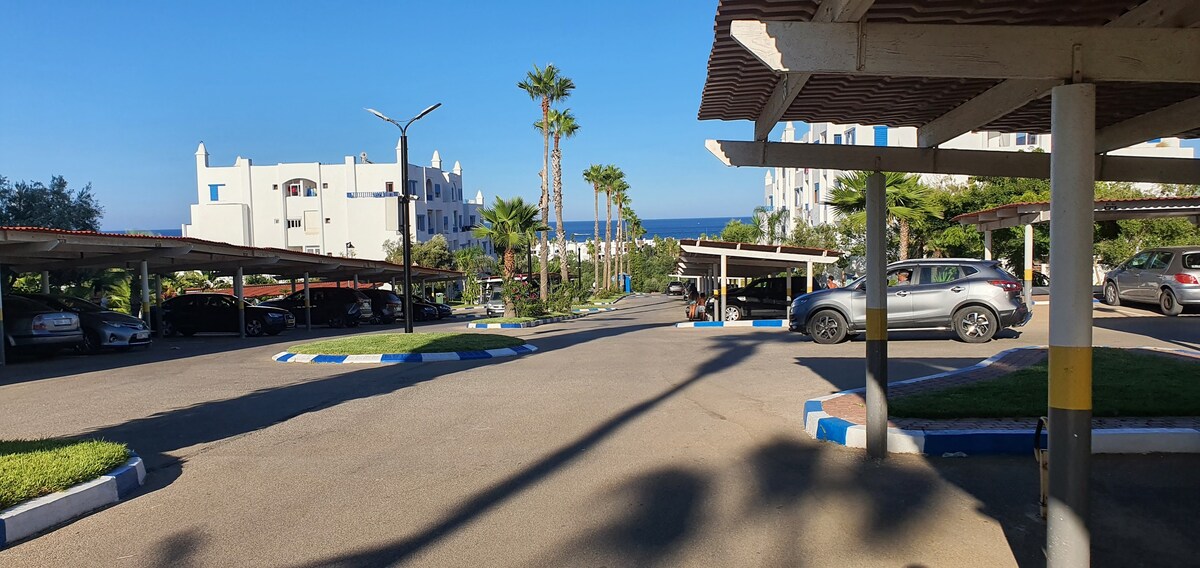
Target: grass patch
[(407, 343), (33, 468), (1124, 383)]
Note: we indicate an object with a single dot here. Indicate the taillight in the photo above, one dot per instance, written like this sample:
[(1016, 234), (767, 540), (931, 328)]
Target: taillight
[(1186, 279), (39, 323), (1006, 285)]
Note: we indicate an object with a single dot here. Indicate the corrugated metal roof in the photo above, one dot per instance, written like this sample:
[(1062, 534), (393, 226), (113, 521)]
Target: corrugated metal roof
[(738, 84)]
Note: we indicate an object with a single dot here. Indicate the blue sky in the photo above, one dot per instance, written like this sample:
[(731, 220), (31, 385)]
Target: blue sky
[(119, 95)]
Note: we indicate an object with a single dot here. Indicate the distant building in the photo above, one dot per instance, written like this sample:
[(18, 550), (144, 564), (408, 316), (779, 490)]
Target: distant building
[(347, 209), (802, 192)]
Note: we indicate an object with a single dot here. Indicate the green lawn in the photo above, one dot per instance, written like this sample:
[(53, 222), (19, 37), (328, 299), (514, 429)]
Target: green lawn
[(1124, 383), (33, 468), (407, 343)]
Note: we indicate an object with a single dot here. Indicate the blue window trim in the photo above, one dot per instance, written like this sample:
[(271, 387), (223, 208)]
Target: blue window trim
[(881, 135), (214, 193)]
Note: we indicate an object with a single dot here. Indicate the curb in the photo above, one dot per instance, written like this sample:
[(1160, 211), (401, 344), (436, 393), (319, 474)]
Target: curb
[(592, 310), (390, 358), (533, 323), (822, 426), (740, 323), (37, 515), (637, 295)]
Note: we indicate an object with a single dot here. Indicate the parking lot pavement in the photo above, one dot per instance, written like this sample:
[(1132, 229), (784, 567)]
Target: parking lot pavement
[(622, 442)]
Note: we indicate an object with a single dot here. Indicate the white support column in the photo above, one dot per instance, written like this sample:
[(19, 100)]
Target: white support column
[(145, 313), (876, 378), (158, 300), (1027, 269), (987, 245), (808, 279), (307, 305), (45, 281), (239, 292), (724, 283), (1072, 195), (2, 336)]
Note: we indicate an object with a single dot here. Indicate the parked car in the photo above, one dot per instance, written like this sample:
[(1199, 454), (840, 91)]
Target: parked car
[(423, 310), (334, 307), (495, 305), (193, 313), (32, 326), (102, 329), (1168, 276), (762, 297), (675, 289), (443, 310), (386, 306), (975, 298)]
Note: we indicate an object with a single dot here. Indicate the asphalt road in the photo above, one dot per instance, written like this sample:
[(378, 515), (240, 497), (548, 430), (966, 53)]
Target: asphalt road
[(622, 442)]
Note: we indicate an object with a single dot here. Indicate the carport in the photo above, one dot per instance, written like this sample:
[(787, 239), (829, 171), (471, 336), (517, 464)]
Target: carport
[(715, 262), (1116, 73), (42, 250), (1028, 214)]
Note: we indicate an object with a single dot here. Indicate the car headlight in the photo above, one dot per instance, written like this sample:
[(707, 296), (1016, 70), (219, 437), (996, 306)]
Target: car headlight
[(274, 315)]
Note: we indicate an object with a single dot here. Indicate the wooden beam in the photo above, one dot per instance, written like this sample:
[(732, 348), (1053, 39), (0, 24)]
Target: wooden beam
[(944, 161), (1179, 117), (113, 260), (970, 51)]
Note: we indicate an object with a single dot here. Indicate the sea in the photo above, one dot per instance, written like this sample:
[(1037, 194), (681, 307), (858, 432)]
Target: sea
[(689, 228)]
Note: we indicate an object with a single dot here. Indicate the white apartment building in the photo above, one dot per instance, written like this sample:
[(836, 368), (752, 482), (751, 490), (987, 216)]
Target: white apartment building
[(348, 209), (803, 191)]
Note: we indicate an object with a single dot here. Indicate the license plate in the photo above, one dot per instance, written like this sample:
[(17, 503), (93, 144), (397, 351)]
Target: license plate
[(141, 335), (63, 321)]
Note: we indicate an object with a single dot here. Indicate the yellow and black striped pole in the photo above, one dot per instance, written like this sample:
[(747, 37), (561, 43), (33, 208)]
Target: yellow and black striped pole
[(1072, 197), (1027, 276), (877, 413)]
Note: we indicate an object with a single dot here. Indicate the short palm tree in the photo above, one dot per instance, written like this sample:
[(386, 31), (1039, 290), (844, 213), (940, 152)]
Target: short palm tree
[(908, 201), (595, 175), (508, 224), (549, 86), (562, 125), (771, 224)]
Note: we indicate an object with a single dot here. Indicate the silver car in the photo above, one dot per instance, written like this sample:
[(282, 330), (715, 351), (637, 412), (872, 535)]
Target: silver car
[(1168, 276), (495, 304), (975, 298)]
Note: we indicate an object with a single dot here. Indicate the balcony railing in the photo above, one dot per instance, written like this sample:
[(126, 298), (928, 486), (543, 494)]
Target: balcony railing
[(370, 194)]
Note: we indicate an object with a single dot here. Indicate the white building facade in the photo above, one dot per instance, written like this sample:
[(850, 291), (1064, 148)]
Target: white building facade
[(802, 192), (349, 209)]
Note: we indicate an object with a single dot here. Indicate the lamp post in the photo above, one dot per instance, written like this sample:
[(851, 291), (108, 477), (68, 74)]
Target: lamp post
[(404, 199), (579, 255)]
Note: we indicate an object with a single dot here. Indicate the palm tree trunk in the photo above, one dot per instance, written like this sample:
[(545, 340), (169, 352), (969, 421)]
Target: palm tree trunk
[(544, 251), (607, 241), (620, 243), (563, 265), (903, 239), (510, 268), (596, 242)]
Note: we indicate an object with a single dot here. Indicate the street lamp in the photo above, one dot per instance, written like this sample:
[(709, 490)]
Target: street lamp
[(404, 198), (579, 255)]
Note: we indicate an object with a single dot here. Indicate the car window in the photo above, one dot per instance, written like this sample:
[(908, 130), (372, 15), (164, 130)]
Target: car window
[(899, 277), (938, 274), (969, 270), (1191, 260), (1138, 261), (1159, 261), (180, 302)]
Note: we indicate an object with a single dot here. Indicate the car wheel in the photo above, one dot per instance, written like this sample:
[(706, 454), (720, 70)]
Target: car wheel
[(732, 313), (1168, 304), (975, 324), (168, 329), (254, 327), (827, 327), (336, 321), (90, 343), (375, 320), (1111, 296)]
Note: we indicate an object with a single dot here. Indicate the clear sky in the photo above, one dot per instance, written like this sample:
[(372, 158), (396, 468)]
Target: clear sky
[(119, 95)]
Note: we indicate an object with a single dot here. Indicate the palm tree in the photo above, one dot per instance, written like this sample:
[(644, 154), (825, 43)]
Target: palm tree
[(562, 125), (620, 196), (469, 260), (770, 224), (546, 84), (509, 224), (595, 175), (634, 231), (907, 200), (613, 175)]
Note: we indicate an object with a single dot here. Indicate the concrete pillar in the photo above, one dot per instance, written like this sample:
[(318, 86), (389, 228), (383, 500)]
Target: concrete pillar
[(876, 281), (355, 281), (293, 285), (158, 301), (808, 280), (987, 245), (787, 312), (307, 305), (45, 281), (2, 336), (1072, 195), (145, 314), (724, 283), (239, 292), (1027, 273)]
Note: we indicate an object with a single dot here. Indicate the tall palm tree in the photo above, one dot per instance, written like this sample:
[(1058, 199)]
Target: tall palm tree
[(595, 175), (770, 223), (633, 230), (612, 176), (548, 85), (620, 195), (562, 125), (508, 224), (907, 201)]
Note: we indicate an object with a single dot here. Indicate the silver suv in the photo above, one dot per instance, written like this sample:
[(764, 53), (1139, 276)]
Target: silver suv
[(1168, 276), (975, 298)]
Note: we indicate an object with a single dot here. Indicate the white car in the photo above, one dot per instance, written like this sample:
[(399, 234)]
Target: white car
[(495, 305)]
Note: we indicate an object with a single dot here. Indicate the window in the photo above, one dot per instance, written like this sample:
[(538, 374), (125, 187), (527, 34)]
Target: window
[(428, 190), (275, 187), (301, 187), (412, 187), (293, 223), (1022, 139), (1191, 261), (420, 222), (1159, 261), (1033, 138), (445, 222), (437, 190), (881, 133), (472, 220), (432, 221), (389, 187), (938, 274), (310, 191), (293, 190), (214, 193), (837, 138), (1138, 261), (312, 249), (899, 277), (850, 138), (324, 186)]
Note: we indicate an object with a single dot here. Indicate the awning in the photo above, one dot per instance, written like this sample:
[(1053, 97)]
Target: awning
[(1026, 213), (743, 260)]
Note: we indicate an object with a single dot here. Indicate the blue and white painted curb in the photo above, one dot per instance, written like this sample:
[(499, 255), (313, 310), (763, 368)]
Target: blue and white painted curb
[(822, 426), (26, 519), (390, 358), (533, 323), (592, 310), (740, 323), (609, 303)]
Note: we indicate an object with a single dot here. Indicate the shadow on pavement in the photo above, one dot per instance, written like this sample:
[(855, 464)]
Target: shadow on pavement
[(1183, 331), (849, 372)]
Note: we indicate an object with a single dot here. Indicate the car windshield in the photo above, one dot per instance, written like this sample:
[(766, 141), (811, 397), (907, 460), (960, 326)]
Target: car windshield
[(497, 296), (78, 304)]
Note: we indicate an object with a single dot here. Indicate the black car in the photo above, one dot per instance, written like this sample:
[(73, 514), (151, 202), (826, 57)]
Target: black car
[(334, 307), (102, 329), (192, 313), (386, 307), (443, 310), (422, 310), (762, 297)]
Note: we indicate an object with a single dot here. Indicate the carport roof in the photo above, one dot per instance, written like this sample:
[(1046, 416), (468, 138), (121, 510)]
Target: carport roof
[(1017, 214), (31, 249), (697, 257)]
